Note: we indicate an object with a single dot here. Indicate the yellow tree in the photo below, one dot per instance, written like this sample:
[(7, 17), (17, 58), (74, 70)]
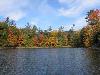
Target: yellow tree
[(88, 36), (93, 28), (20, 38), (53, 38), (35, 41), (41, 39)]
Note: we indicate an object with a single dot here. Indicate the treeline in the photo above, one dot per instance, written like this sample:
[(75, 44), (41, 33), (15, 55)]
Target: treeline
[(89, 36)]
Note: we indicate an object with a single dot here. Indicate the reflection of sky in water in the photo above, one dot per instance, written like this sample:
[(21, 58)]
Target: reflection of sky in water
[(60, 61)]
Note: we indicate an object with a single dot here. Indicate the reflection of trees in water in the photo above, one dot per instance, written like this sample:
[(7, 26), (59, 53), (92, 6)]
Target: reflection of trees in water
[(94, 59), (5, 65)]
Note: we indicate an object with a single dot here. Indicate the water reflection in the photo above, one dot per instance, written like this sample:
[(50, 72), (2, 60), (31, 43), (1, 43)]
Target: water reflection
[(61, 61), (6, 67), (94, 57)]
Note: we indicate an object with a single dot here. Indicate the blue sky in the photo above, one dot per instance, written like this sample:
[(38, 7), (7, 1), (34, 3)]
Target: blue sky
[(44, 13)]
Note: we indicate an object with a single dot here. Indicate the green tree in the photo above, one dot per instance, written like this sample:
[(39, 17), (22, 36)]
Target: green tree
[(3, 34)]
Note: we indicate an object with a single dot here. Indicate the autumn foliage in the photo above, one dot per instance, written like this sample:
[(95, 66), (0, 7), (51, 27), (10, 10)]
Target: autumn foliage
[(89, 36), (92, 29)]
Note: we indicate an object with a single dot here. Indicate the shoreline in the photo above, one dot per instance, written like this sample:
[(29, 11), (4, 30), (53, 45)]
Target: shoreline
[(46, 47), (38, 47)]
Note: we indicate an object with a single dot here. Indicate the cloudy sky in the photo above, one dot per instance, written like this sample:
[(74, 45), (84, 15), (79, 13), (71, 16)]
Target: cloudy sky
[(44, 13)]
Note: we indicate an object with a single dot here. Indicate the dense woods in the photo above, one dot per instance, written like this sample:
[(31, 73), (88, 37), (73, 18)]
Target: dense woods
[(89, 36)]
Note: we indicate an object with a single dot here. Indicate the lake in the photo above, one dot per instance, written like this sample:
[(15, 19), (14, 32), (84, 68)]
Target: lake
[(54, 61)]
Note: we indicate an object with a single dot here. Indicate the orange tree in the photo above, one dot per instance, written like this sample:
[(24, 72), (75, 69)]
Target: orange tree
[(35, 41), (93, 17), (91, 31), (20, 38), (41, 39), (12, 36)]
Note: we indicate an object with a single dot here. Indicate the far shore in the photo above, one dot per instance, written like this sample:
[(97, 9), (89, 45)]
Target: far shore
[(38, 47), (44, 47)]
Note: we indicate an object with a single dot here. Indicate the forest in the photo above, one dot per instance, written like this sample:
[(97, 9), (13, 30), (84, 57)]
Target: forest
[(33, 37)]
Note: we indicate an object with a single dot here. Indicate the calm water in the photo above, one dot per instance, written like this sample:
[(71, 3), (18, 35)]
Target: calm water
[(59, 61)]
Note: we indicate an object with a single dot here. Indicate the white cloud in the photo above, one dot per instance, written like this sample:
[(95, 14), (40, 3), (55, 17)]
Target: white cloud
[(80, 23), (67, 27), (69, 12), (17, 9), (16, 15), (66, 1), (12, 8), (34, 23), (77, 7), (46, 12), (46, 9)]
